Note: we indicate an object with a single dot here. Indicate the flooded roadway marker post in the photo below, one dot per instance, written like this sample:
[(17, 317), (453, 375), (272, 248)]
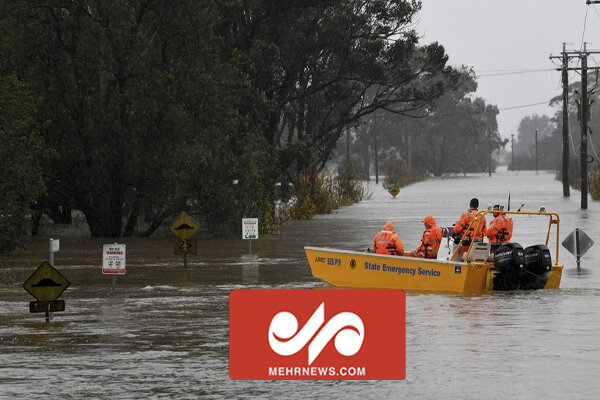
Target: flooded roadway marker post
[(53, 247), (184, 228), (578, 243), (250, 231), (113, 262), (46, 284)]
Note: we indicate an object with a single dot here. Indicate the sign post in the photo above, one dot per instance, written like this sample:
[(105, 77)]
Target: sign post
[(184, 228), (46, 284), (250, 230), (53, 246), (578, 243), (113, 262)]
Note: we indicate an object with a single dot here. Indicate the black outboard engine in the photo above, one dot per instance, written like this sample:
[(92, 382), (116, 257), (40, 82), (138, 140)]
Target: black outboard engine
[(509, 260), (538, 264)]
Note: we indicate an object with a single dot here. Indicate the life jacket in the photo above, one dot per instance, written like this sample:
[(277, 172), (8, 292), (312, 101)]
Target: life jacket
[(430, 243), (385, 242), (476, 230), (500, 230)]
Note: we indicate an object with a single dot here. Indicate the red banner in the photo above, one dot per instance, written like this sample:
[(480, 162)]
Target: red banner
[(326, 334)]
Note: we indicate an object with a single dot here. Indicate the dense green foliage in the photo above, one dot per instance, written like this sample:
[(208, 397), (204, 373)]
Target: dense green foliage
[(22, 156), (154, 107)]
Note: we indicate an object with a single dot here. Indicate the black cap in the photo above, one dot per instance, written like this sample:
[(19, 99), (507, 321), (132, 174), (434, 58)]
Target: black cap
[(474, 203)]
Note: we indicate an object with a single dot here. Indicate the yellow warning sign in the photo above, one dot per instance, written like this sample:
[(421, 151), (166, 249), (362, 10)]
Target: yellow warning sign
[(184, 226), (186, 246), (46, 283), (394, 191)]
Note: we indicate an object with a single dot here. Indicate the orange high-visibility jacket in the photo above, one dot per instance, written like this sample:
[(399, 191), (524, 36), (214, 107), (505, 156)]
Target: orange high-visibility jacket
[(500, 230), (430, 243), (388, 242), (476, 230)]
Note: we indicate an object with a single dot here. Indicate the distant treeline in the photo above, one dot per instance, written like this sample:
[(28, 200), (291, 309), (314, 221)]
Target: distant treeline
[(132, 111)]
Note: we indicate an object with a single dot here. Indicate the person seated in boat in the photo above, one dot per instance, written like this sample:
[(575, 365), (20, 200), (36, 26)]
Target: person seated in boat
[(388, 242), (431, 240), (461, 227), (501, 228)]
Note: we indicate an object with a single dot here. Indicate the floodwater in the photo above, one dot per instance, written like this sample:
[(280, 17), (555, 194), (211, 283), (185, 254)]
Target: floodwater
[(164, 332)]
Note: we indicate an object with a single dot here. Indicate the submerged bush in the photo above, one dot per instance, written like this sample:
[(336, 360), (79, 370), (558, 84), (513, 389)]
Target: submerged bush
[(594, 182), (400, 176), (317, 193)]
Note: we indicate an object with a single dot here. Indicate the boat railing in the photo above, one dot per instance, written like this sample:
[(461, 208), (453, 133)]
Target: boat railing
[(477, 222)]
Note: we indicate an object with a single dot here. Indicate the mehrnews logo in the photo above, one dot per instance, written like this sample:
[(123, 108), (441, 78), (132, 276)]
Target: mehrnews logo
[(316, 334), (347, 341)]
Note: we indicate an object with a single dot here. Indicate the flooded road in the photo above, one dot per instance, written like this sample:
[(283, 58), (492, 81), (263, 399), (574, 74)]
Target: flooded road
[(164, 332)]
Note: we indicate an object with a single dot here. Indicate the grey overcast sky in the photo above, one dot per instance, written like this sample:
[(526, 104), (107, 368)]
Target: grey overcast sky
[(501, 37)]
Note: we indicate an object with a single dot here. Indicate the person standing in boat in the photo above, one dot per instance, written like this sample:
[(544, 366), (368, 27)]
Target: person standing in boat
[(501, 228), (388, 242), (462, 225), (431, 240)]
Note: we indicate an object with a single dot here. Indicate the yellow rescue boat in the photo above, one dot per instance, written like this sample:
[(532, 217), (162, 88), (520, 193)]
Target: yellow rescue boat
[(476, 271)]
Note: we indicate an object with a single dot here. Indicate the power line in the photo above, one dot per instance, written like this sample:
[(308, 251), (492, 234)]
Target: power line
[(584, 24), (523, 106), (595, 9), (518, 72)]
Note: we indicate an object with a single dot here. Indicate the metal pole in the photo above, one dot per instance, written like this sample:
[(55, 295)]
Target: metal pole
[(114, 284), (565, 121), (51, 257), (577, 251), (584, 128), (185, 260), (250, 244)]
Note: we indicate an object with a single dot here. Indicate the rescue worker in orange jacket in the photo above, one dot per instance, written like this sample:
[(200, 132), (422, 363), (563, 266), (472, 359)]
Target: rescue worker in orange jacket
[(388, 242), (462, 225), (431, 240), (501, 228)]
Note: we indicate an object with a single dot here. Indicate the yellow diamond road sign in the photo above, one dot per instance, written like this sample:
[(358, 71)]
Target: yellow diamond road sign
[(46, 283), (184, 226)]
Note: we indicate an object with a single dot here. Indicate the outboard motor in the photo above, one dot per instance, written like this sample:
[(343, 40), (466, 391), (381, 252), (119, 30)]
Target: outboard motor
[(509, 260), (538, 264)]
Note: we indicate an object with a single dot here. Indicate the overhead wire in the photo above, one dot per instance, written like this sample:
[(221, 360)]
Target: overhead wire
[(584, 26), (593, 147), (595, 9), (523, 106)]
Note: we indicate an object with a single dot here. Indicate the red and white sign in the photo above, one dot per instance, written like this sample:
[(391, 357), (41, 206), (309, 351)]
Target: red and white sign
[(113, 259), (321, 334), (249, 228)]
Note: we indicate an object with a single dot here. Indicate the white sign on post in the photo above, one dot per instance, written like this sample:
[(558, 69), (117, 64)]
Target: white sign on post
[(113, 259), (54, 245), (249, 228)]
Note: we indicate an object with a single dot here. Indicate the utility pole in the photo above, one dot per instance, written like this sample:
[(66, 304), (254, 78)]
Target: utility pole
[(584, 116), (565, 121), (512, 152), (536, 151), (584, 127), (348, 148), (376, 160), (490, 153)]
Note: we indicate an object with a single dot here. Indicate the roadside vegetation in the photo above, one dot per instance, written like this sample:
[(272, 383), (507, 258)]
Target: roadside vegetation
[(131, 112)]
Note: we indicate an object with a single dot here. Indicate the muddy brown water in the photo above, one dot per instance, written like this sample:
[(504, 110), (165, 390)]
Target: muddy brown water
[(164, 332)]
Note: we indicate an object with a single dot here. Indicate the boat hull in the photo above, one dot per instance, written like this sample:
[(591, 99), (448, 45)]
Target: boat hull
[(368, 270)]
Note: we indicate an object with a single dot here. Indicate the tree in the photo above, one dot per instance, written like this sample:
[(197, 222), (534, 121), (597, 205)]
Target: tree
[(23, 154)]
